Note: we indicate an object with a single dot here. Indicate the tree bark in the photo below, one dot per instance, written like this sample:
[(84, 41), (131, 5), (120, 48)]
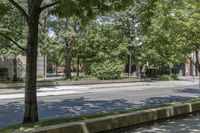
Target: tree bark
[(15, 70), (77, 65), (197, 61), (68, 63), (31, 108), (68, 57), (56, 69), (32, 19)]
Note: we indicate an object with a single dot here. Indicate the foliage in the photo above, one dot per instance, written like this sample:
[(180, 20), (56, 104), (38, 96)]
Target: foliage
[(85, 77), (88, 9), (152, 73), (31, 11), (15, 33), (107, 70), (101, 42), (173, 33), (174, 76), (168, 77)]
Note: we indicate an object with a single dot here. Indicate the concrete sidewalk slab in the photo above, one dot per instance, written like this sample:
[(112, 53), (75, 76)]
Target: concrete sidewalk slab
[(65, 82)]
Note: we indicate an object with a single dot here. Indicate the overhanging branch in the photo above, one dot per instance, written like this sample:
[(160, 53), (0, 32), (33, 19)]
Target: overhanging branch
[(195, 64), (49, 5), (14, 42), (20, 9)]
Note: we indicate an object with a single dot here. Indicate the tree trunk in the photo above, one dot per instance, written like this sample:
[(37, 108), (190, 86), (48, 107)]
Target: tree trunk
[(77, 67), (198, 68), (31, 109), (162, 69), (170, 71), (56, 69), (68, 57), (197, 61), (15, 70), (68, 63)]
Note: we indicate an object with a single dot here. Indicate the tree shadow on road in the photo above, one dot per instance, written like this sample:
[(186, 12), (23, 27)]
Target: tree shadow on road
[(160, 100), (12, 113), (71, 107), (189, 90)]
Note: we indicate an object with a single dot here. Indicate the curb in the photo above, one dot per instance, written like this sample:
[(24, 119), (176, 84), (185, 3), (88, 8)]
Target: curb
[(120, 121)]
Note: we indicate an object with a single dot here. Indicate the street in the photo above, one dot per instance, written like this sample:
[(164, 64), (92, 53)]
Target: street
[(62, 101)]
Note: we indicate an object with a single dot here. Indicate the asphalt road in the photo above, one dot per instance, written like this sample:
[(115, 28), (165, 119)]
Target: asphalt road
[(86, 99)]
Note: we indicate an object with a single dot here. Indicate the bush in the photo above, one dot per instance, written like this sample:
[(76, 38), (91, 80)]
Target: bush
[(84, 77), (174, 76), (4, 74), (166, 78), (152, 73), (107, 70)]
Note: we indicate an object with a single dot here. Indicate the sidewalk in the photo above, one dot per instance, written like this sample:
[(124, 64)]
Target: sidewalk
[(43, 83), (49, 83)]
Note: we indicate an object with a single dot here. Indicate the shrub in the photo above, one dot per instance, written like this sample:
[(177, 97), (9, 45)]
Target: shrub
[(107, 70), (166, 77), (84, 77), (4, 74), (174, 76), (152, 73)]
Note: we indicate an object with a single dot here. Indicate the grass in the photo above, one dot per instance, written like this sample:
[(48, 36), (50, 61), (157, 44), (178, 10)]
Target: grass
[(83, 77), (27, 127)]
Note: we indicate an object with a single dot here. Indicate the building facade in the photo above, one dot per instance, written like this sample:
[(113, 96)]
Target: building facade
[(21, 66)]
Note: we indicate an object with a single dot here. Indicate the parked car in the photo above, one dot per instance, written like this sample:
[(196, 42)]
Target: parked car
[(60, 69)]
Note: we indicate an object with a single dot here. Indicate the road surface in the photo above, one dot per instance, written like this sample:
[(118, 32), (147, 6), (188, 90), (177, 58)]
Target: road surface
[(86, 99)]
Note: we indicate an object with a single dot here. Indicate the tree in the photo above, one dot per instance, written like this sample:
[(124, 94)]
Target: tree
[(99, 43), (168, 33), (66, 32), (133, 23), (31, 10), (12, 43)]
